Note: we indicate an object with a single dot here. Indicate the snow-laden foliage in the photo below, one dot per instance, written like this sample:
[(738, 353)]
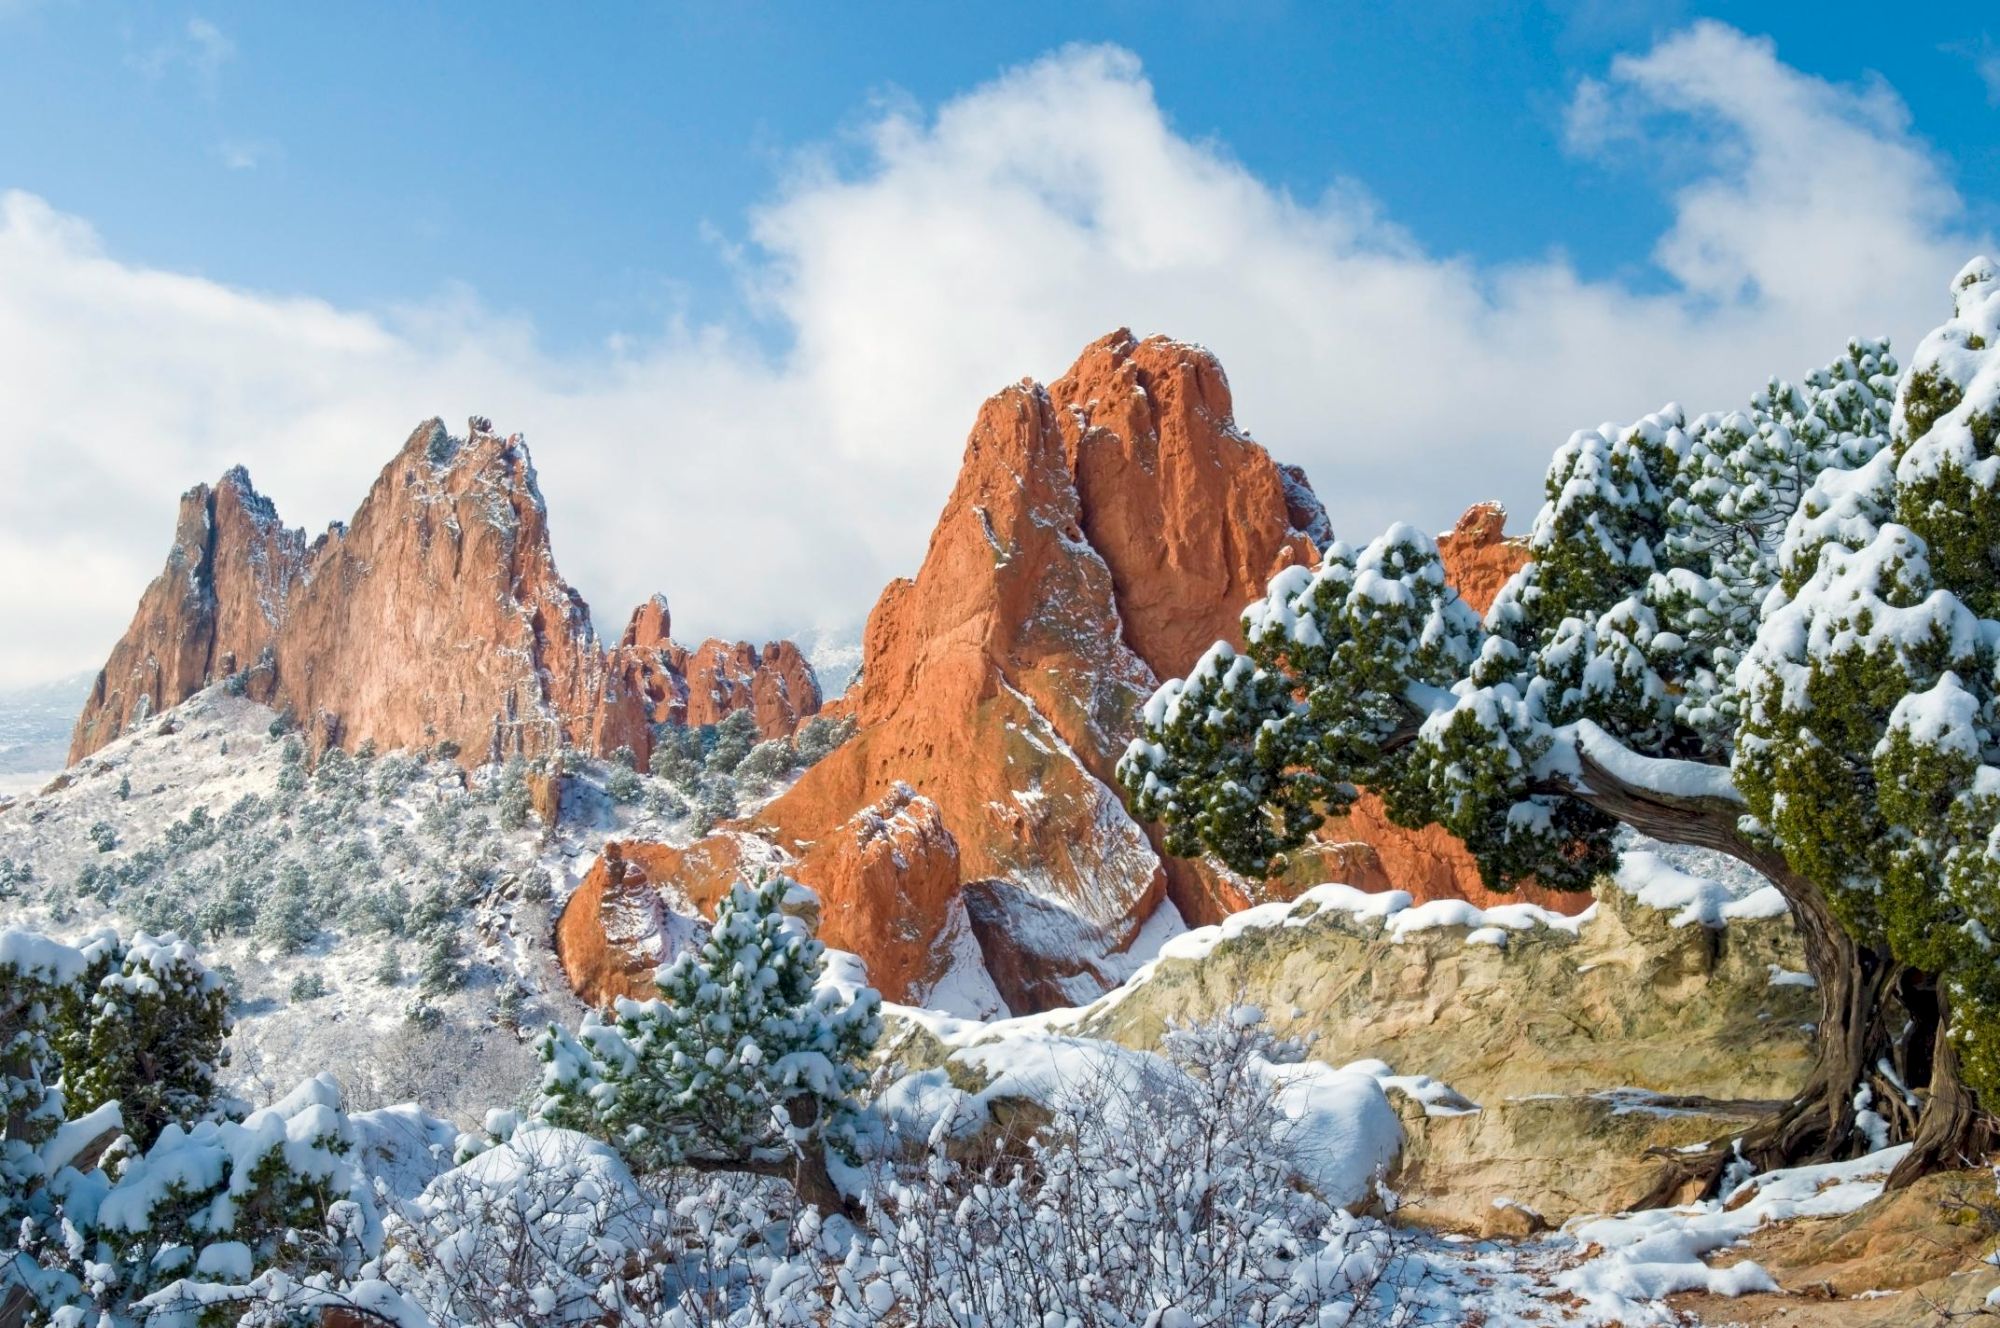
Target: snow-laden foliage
[(710, 770), (546, 1227), (1871, 744), (34, 974), (143, 1027), (743, 1060), (1157, 1190), (1652, 558), (1775, 631), (1165, 1190), (113, 1214)]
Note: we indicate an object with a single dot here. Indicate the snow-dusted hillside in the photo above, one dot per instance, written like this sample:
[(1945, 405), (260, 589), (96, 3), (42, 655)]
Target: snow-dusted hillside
[(386, 915)]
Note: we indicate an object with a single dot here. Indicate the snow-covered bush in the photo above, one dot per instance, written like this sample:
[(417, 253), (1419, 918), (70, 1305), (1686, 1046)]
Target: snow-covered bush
[(185, 1194), (513, 800), (223, 1201), (546, 1228), (621, 780), (743, 1061), (819, 736), (714, 802), (766, 763), (677, 755), (34, 973), (442, 969), (734, 736), (1164, 1190)]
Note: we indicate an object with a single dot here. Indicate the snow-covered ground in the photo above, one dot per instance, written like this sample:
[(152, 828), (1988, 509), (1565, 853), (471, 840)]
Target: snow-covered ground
[(391, 915)]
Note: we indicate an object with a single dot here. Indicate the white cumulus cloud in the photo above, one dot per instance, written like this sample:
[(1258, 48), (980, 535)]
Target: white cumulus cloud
[(987, 239)]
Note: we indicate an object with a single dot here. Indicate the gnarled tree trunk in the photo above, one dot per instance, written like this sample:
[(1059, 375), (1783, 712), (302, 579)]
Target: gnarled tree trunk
[(1860, 990)]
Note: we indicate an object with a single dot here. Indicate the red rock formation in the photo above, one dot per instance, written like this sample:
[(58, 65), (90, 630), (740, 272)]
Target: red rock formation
[(611, 936), (1102, 533), (891, 861), (1478, 556), (1191, 517), (214, 609), (776, 685), (437, 615), (450, 549), (704, 685)]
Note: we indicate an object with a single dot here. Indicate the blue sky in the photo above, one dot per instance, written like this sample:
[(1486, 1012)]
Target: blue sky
[(592, 168), (743, 274)]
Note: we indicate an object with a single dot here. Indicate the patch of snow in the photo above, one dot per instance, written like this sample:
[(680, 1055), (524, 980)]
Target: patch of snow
[(1646, 1255), (1657, 883)]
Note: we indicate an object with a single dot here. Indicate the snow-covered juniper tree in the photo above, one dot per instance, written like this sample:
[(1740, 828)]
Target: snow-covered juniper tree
[(744, 1062), (1772, 632)]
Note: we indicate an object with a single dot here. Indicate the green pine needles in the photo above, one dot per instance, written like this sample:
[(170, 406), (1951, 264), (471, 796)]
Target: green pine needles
[(1772, 631), (745, 1061)]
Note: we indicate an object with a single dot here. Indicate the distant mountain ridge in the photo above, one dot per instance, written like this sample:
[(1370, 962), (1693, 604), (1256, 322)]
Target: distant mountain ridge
[(35, 724), (436, 615)]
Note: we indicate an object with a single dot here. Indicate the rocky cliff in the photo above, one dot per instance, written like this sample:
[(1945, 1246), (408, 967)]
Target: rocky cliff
[(216, 607), (436, 615), (1104, 530), (1479, 557), (700, 686)]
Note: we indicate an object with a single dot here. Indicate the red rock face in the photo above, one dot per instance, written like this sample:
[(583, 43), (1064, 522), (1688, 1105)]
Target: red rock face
[(1103, 532), (704, 685), (1478, 556), (450, 548), (1191, 517), (436, 615), (890, 861), (215, 608)]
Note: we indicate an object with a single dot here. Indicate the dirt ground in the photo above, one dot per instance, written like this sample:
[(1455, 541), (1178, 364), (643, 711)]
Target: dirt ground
[(1908, 1259)]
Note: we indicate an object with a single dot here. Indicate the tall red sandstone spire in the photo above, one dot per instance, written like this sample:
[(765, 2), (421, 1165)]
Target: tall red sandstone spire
[(1102, 533)]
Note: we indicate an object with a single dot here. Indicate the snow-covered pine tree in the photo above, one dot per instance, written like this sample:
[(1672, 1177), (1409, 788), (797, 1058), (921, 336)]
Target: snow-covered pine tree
[(143, 1026), (32, 972), (735, 735), (621, 779), (180, 1213), (1773, 633), (214, 1206), (677, 755), (744, 1062)]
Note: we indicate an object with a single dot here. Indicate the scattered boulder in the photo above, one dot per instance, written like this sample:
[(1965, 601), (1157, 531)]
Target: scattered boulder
[(1584, 1042)]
